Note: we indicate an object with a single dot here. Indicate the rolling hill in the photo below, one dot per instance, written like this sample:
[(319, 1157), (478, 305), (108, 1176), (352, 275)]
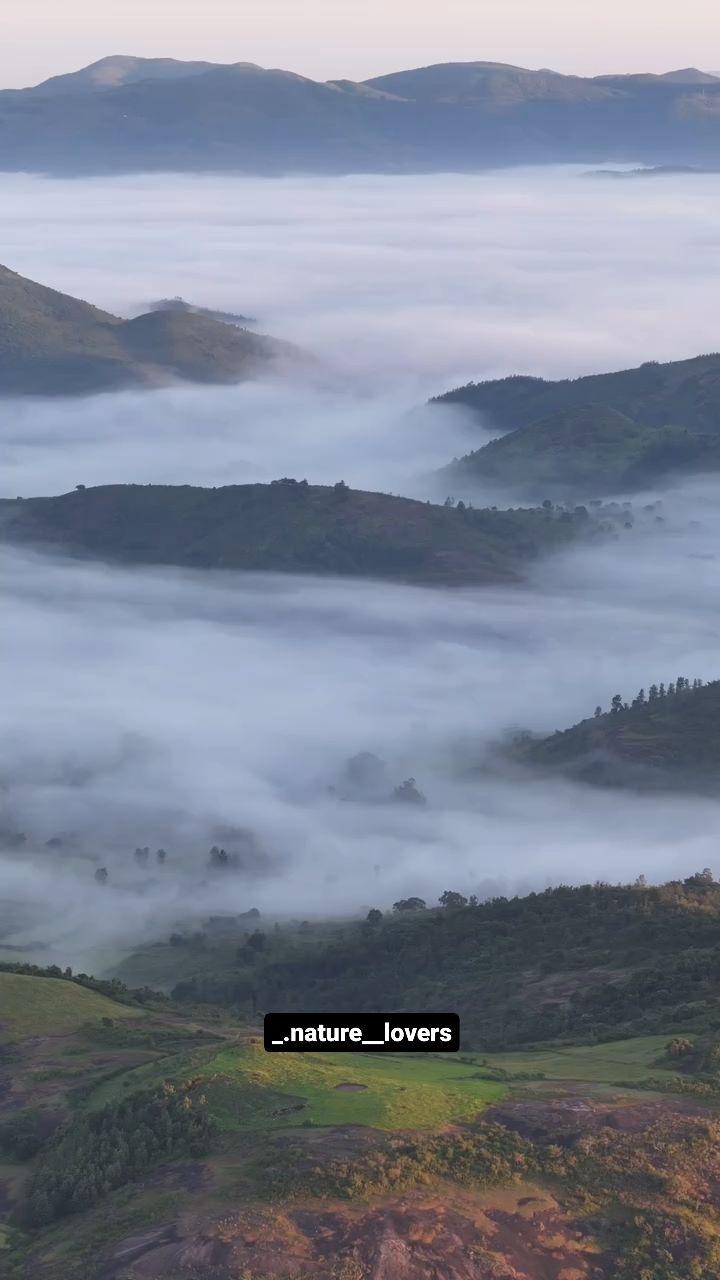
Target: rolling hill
[(291, 527), (154, 114), (667, 738), (575, 1136), (595, 434), (51, 343)]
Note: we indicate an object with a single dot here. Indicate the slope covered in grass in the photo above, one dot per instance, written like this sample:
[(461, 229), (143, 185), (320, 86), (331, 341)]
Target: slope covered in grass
[(32, 1006), (384, 1091)]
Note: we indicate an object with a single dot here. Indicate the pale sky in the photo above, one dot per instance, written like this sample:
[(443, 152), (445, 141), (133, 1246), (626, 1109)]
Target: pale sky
[(360, 38)]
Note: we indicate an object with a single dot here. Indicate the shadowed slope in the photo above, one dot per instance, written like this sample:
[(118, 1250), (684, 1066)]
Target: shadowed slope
[(289, 527), (51, 343)]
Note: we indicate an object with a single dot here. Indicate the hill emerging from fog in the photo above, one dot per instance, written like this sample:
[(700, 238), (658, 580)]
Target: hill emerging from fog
[(160, 114), (291, 527), (666, 737), (52, 343), (599, 433)]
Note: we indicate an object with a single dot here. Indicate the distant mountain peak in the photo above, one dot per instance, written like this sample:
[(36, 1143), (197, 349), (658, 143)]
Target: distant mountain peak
[(119, 69)]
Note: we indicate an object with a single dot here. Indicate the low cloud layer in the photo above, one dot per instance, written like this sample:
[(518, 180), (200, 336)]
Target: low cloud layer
[(434, 278), (151, 707), (157, 707)]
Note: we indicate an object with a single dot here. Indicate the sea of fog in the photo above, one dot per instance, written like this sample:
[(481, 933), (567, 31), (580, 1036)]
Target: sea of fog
[(155, 707)]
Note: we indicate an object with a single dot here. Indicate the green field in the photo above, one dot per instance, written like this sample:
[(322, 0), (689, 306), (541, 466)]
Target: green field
[(394, 1092), (31, 1006), (618, 1060)]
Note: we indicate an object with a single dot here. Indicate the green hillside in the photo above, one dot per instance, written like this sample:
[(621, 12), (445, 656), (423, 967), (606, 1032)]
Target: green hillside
[(686, 392), (292, 527), (594, 435), (155, 1147), (582, 963), (663, 737), (51, 343), (587, 452), (30, 1006)]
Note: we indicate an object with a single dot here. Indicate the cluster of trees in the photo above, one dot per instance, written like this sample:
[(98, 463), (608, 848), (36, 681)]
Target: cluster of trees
[(106, 1149), (450, 898), (142, 856), (217, 858), (655, 693)]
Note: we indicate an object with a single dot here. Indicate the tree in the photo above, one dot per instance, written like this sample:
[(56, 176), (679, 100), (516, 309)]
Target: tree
[(218, 857), (102, 875), (374, 916), (616, 704), (409, 904), (161, 855), (257, 941), (679, 1047), (408, 793), (703, 877), (453, 900), (142, 855), (598, 712)]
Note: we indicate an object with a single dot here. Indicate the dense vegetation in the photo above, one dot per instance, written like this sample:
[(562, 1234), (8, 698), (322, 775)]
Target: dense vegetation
[(294, 527), (51, 343), (652, 395), (592, 435), (105, 1149), (665, 735), (586, 963), (589, 451)]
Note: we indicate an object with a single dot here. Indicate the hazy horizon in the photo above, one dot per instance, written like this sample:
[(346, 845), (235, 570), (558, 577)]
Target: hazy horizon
[(323, 40)]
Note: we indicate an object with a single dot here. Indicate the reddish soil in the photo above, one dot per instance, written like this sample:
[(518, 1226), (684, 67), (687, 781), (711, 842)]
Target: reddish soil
[(509, 1235)]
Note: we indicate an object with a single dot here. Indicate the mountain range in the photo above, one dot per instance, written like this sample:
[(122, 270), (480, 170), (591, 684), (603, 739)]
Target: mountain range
[(51, 343), (161, 114)]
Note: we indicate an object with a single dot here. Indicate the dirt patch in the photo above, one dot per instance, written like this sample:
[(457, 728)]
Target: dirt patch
[(194, 1177), (350, 1088), (564, 1120), (519, 1234)]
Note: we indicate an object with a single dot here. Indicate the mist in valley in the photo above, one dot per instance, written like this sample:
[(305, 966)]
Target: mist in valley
[(179, 710)]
